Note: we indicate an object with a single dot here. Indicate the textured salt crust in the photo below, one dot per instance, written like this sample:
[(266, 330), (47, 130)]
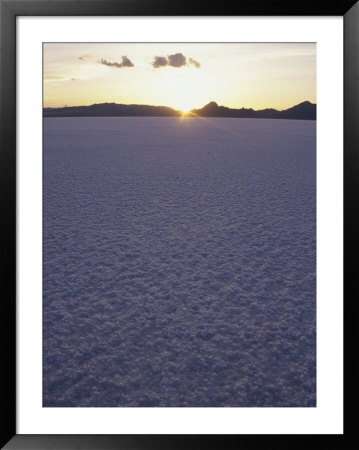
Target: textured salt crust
[(179, 262)]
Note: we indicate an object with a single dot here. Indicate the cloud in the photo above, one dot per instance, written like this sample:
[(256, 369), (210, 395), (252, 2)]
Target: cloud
[(83, 57), (176, 60), (118, 65), (195, 63), (159, 61)]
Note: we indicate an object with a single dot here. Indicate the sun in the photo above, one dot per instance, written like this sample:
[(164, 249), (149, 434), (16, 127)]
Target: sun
[(182, 103), (184, 106), (185, 112)]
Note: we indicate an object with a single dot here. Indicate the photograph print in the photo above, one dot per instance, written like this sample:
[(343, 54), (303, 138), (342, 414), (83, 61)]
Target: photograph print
[(179, 225)]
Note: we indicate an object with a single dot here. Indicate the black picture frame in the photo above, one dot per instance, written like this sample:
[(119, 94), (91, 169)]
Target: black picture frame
[(9, 10)]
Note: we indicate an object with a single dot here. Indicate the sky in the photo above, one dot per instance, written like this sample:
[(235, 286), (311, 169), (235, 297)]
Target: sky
[(180, 75)]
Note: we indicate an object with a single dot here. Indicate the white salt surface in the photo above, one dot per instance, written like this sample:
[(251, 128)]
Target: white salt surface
[(179, 262)]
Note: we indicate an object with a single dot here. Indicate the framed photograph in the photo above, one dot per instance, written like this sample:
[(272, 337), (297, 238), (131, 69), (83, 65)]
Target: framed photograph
[(173, 182)]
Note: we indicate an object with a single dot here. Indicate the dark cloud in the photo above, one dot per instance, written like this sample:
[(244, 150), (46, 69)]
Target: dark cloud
[(176, 60), (118, 65), (195, 63), (83, 57), (159, 61)]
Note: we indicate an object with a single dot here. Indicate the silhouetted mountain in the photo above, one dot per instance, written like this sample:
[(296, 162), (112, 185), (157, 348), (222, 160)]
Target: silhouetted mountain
[(111, 110), (303, 111)]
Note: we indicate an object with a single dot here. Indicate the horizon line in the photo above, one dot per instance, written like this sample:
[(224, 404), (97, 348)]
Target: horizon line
[(174, 109)]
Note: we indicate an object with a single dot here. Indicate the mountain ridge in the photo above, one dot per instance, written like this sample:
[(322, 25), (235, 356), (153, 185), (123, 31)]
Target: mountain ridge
[(303, 111)]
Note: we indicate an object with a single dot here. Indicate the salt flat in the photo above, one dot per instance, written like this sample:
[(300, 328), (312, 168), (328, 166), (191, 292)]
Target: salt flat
[(179, 262)]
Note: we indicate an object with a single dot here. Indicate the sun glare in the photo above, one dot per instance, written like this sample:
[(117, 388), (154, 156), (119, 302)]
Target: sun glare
[(185, 112), (183, 105)]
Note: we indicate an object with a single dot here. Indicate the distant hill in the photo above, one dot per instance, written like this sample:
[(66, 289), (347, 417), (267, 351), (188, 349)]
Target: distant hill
[(111, 110), (303, 111)]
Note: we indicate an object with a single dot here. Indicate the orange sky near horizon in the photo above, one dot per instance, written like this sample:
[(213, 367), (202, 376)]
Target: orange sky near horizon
[(180, 75)]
